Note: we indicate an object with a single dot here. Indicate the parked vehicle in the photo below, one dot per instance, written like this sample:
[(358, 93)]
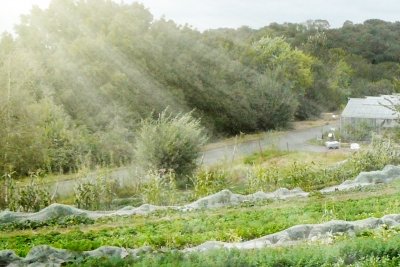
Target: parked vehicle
[(332, 144)]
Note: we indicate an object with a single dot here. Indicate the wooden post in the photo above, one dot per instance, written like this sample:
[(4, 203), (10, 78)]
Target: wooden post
[(261, 151), (234, 148)]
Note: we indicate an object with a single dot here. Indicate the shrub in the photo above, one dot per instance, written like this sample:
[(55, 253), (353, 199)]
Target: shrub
[(32, 197), (160, 188), (96, 193), (264, 179), (380, 153), (301, 175), (360, 132), (169, 143), (206, 182), (265, 155)]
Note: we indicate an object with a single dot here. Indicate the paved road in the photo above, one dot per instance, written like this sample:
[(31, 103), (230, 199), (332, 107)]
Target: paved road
[(66, 188), (292, 140)]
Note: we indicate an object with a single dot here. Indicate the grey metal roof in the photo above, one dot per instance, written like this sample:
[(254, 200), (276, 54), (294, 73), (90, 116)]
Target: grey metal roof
[(372, 107)]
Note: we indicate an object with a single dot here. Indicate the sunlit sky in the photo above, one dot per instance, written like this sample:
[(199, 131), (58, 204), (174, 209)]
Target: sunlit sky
[(207, 14)]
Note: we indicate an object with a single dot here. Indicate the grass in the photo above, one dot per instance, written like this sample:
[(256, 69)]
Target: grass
[(284, 158), (53, 178), (266, 155), (316, 142), (176, 230)]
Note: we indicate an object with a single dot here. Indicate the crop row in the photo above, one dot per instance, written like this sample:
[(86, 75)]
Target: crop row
[(369, 249), (169, 229)]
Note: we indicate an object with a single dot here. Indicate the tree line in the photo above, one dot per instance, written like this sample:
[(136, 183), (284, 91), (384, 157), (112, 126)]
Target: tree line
[(77, 78)]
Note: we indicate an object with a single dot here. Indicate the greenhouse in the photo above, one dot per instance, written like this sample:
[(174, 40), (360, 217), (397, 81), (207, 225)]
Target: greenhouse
[(372, 113)]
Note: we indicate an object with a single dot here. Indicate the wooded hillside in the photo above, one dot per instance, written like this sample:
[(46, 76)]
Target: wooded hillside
[(76, 78)]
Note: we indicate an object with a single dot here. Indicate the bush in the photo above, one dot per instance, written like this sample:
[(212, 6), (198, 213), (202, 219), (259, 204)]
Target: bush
[(95, 194), (160, 188), (207, 182), (263, 179), (32, 197), (169, 143), (307, 109), (360, 132), (380, 153)]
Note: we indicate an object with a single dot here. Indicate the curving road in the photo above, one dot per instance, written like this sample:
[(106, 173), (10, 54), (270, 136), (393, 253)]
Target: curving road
[(293, 140)]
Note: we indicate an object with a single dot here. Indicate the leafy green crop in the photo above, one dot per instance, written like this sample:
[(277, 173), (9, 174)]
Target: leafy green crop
[(172, 229), (361, 251), (60, 222)]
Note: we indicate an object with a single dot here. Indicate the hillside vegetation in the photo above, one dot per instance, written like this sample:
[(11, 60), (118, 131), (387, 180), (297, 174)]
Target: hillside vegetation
[(77, 78), (88, 86)]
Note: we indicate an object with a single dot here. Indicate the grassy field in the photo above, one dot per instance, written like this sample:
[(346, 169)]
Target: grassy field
[(177, 230)]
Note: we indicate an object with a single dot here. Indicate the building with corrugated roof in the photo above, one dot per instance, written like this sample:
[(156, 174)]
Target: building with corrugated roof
[(371, 112)]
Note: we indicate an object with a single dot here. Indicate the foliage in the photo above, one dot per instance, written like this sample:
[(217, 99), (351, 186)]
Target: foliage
[(277, 54), (265, 155), (381, 152), (263, 179), (74, 84), (160, 188), (367, 251), (170, 142), (7, 193), (273, 103), (59, 222), (76, 79), (209, 181), (361, 131), (97, 193), (311, 177), (29, 198), (308, 109)]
